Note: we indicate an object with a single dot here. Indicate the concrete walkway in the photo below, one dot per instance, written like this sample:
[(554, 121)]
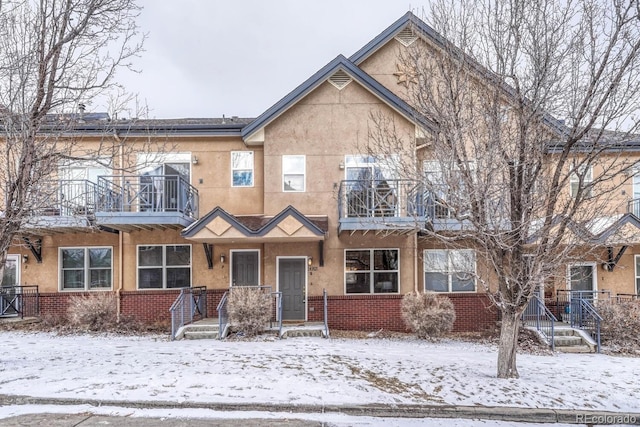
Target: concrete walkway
[(501, 413)]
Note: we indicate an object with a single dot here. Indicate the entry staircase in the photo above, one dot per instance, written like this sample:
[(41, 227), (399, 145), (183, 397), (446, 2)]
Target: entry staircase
[(577, 331), (190, 327)]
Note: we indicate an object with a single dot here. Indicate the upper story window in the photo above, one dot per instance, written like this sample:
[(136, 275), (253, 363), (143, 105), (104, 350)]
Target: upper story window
[(164, 182), (242, 168), (85, 269), (582, 174), (77, 181), (164, 266), (445, 187), (293, 173), (449, 270)]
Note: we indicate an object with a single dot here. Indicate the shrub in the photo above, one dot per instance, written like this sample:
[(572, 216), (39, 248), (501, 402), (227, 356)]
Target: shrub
[(249, 309), (95, 312), (428, 315), (620, 324)]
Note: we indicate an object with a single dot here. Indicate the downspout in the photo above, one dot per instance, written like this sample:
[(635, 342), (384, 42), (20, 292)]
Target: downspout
[(415, 262), (120, 239)]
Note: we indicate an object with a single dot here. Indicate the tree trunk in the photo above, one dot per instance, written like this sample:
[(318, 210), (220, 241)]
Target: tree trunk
[(508, 345)]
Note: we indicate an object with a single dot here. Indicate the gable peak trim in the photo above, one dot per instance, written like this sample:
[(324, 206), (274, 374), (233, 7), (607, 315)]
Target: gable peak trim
[(406, 36), (340, 79)]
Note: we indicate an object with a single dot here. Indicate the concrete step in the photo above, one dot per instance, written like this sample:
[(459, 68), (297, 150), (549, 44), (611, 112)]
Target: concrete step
[(564, 332), (292, 333), (574, 349), (201, 335), (567, 341)]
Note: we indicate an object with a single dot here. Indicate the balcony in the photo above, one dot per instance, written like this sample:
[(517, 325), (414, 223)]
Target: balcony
[(382, 205), (633, 206), (145, 202), (63, 206)]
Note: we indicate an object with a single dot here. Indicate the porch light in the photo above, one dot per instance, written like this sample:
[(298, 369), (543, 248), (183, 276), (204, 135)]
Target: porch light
[(25, 258), (194, 160), (310, 261), (341, 165), (221, 258)]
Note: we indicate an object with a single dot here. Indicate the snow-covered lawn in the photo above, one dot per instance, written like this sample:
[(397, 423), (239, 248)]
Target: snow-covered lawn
[(308, 371)]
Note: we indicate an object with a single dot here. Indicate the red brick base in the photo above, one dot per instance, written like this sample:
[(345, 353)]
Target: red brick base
[(474, 312)]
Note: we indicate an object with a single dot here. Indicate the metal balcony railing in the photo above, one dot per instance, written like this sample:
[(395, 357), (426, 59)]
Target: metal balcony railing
[(72, 197), (190, 304), (147, 193), (633, 206), (381, 198)]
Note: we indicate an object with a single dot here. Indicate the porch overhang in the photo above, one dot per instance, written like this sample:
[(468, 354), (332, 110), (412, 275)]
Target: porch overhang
[(289, 226)]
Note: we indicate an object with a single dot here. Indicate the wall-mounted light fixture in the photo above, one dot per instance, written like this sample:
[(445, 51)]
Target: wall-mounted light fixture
[(341, 165), (25, 258), (194, 160), (221, 258), (310, 261)]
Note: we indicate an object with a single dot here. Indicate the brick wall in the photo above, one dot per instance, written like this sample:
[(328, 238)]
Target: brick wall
[(474, 312), (144, 306)]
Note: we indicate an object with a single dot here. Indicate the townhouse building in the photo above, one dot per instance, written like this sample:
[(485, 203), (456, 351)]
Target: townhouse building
[(289, 199)]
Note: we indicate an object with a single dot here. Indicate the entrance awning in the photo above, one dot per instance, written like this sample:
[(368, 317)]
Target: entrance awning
[(218, 226)]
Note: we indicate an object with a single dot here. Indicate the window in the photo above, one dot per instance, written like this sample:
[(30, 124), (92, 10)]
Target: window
[(164, 183), (371, 271), (242, 168), (637, 257), (293, 171), (164, 266), (582, 177), (446, 189), (85, 268), (371, 186), (449, 270)]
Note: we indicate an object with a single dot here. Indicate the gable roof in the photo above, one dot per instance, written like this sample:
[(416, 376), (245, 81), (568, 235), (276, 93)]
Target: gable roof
[(339, 63), (438, 40)]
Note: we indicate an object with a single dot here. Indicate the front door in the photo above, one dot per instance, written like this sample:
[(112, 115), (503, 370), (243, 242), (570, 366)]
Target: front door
[(244, 268), (9, 292), (292, 274), (582, 280)]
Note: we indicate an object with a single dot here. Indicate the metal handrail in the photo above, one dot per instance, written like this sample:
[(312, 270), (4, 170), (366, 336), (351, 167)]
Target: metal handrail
[(543, 320), (585, 316), (189, 304), (66, 198), (223, 315), (326, 317), (633, 206), (278, 296), (20, 300)]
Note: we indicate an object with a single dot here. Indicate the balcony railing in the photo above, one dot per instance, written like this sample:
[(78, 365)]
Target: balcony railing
[(380, 203), (73, 197), (147, 193), (633, 206)]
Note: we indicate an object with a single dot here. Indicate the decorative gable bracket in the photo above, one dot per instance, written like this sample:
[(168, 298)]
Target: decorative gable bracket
[(611, 260)]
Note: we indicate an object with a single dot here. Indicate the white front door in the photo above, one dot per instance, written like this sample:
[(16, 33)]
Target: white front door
[(8, 293)]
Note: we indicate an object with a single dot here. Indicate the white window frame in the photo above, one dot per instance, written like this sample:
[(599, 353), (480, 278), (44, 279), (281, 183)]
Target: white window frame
[(303, 172), (594, 279), (574, 179), (239, 169), (450, 270), (86, 269), (18, 260), (636, 284), (163, 266), (371, 271)]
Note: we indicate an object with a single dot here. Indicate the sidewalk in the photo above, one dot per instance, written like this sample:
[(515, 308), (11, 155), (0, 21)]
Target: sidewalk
[(400, 411)]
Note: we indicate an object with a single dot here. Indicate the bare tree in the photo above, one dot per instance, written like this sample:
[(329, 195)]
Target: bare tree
[(503, 175), (54, 56)]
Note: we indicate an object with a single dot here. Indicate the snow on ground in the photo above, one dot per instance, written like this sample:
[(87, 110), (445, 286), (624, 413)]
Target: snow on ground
[(308, 371), (327, 419)]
